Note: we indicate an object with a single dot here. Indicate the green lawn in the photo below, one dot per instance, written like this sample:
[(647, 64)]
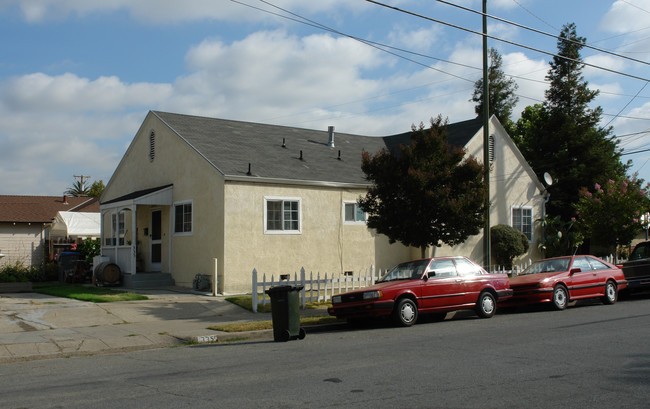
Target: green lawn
[(86, 293)]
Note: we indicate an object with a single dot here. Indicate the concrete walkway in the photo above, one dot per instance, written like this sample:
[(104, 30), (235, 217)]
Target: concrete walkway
[(35, 326)]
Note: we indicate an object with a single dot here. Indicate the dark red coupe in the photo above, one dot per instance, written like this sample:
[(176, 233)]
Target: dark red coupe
[(563, 279), (429, 285)]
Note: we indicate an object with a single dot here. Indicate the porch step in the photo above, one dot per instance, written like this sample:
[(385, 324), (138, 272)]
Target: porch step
[(147, 280)]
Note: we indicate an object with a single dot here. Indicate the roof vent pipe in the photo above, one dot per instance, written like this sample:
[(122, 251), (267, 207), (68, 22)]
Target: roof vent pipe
[(330, 131), (339, 158), (284, 145), (301, 156)]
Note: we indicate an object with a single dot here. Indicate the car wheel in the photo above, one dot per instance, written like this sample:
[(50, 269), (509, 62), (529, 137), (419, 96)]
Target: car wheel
[(611, 293), (560, 297), (406, 312), (486, 305)]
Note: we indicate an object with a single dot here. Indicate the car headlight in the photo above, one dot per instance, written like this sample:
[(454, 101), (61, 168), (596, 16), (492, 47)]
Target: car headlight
[(336, 299), (369, 295)]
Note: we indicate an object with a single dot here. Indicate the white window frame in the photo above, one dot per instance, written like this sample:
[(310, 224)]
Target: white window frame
[(532, 222), (181, 203), (283, 199), (355, 221)]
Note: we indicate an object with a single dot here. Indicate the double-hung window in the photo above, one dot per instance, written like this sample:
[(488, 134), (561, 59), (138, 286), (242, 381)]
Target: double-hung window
[(282, 215), (183, 218), (522, 220), (353, 214)]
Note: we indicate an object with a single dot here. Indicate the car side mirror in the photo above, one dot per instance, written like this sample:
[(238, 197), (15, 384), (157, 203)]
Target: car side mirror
[(575, 270), (431, 274)]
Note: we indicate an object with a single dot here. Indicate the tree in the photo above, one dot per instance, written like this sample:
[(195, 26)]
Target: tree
[(610, 213), (500, 89), (426, 193), (96, 189), (560, 236), (507, 243), (563, 136)]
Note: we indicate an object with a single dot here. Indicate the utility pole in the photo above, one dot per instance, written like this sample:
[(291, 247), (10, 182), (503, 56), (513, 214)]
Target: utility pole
[(81, 179), (486, 141)]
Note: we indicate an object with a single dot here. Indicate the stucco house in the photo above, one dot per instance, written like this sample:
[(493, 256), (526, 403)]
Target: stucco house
[(26, 235), (220, 197)]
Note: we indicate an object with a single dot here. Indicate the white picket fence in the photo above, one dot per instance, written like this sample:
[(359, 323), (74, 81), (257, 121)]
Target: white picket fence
[(320, 288)]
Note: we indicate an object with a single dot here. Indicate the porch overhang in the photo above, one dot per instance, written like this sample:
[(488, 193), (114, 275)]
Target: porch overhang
[(161, 196)]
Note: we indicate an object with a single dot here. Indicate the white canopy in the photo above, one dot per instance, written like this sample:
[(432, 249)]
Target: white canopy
[(76, 224)]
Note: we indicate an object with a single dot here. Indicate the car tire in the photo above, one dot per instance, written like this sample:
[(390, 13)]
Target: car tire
[(406, 312), (611, 293), (560, 297), (486, 305)]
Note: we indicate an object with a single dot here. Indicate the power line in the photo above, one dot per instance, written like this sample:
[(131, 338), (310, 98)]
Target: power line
[(505, 41), (303, 20), (568, 40)]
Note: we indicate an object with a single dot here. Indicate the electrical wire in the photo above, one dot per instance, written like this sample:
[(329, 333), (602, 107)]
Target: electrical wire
[(505, 41), (568, 40)]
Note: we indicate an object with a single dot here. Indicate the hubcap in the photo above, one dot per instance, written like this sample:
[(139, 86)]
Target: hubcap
[(560, 297), (408, 312), (488, 305), (611, 292)]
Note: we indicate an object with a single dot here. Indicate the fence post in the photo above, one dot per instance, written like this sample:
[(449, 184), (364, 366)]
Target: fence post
[(254, 292), (302, 281)]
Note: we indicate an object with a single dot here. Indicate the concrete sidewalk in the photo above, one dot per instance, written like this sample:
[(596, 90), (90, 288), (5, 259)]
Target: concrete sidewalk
[(34, 326)]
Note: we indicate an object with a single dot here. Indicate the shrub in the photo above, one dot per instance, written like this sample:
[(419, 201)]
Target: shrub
[(89, 248), (507, 243), (16, 273)]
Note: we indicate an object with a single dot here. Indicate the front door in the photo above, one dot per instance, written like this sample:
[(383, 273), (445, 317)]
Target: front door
[(156, 240)]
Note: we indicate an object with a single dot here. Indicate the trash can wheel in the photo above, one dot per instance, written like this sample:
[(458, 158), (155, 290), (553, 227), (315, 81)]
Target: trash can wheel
[(302, 333)]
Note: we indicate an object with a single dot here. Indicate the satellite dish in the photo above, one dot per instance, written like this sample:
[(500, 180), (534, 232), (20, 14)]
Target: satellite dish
[(548, 179)]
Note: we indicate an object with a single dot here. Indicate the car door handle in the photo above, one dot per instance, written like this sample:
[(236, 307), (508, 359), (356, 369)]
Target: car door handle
[(458, 280)]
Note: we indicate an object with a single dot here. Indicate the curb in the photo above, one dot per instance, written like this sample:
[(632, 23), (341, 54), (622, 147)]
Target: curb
[(266, 334)]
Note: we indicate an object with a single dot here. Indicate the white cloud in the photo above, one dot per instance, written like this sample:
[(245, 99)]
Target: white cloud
[(160, 11)]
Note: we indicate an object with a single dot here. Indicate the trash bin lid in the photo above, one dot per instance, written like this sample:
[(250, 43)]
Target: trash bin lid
[(283, 289)]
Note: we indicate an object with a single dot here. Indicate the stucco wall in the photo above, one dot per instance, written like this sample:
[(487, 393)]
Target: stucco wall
[(325, 244), (22, 243), (511, 184), (194, 179)]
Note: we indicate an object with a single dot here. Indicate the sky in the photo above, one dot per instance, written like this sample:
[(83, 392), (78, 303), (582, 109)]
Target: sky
[(78, 77)]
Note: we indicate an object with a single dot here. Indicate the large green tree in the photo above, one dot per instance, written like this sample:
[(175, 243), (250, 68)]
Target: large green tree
[(426, 193), (563, 137), (501, 90)]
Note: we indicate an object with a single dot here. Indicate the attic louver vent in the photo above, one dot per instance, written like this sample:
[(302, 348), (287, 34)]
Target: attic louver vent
[(152, 146), (491, 147)]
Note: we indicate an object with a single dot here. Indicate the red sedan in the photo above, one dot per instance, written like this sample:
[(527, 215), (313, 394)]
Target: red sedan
[(429, 285), (563, 279)]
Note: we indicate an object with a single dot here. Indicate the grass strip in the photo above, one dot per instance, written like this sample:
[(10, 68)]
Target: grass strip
[(91, 294), (246, 302)]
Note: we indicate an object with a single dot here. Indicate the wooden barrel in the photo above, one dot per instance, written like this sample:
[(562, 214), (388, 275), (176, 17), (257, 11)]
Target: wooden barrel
[(106, 273)]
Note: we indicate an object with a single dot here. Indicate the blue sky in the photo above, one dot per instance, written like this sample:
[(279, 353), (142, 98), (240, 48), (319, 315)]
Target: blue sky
[(78, 77)]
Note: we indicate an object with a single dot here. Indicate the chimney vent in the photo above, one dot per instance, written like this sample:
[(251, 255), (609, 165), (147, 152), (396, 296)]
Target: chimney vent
[(330, 131)]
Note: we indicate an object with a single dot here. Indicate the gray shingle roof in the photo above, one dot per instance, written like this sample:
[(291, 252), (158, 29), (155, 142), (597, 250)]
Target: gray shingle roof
[(232, 145)]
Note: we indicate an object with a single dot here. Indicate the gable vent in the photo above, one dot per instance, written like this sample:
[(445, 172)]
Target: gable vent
[(491, 147), (152, 146)]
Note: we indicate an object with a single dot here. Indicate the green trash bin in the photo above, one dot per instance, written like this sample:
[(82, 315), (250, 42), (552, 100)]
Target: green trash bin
[(285, 312)]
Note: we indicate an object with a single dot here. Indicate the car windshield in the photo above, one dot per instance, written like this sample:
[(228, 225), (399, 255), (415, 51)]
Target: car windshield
[(548, 266), (411, 270), (640, 251)]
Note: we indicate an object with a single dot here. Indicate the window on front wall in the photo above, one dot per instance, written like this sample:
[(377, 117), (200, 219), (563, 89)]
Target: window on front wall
[(183, 218), (353, 214), (281, 215), (522, 220)]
